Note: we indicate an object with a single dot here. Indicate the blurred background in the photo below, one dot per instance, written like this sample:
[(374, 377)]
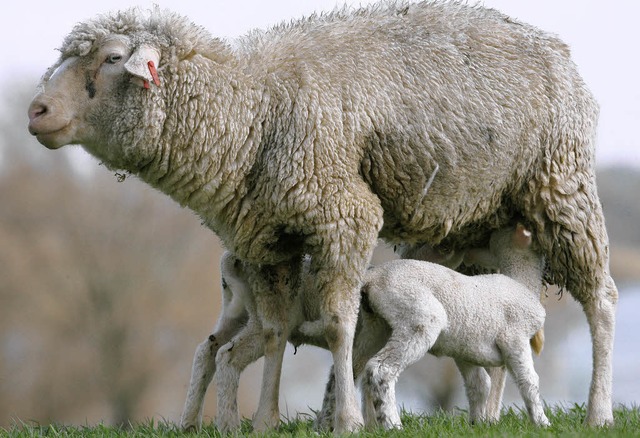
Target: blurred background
[(107, 286)]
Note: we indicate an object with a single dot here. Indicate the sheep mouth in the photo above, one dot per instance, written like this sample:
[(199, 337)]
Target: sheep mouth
[(52, 139)]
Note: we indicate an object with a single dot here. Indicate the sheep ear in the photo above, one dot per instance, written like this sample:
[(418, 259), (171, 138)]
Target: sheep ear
[(522, 237), (142, 65), (481, 257)]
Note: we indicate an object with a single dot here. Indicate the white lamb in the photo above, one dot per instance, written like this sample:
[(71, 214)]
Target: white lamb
[(400, 319), (479, 321)]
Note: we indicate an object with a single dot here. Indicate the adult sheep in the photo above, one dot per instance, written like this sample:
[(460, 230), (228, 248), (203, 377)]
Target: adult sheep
[(319, 136)]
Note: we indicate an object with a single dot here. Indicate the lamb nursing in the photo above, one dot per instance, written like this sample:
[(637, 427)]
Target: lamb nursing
[(408, 307), (479, 321)]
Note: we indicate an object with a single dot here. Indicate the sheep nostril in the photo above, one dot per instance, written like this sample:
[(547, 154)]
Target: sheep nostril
[(36, 110)]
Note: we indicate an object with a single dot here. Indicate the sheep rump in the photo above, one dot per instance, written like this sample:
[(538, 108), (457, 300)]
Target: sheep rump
[(428, 122)]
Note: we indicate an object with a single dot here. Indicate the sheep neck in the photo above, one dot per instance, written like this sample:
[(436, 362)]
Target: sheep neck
[(208, 143)]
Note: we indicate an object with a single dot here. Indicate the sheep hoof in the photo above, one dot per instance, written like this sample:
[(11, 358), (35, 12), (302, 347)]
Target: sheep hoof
[(348, 424), (263, 422), (189, 428), (228, 425)]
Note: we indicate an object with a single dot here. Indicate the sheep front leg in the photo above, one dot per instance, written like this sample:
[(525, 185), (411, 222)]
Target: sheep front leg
[(273, 294), (202, 372), (371, 335), (232, 358), (517, 356), (341, 248), (204, 365), (268, 414), (340, 320), (477, 386)]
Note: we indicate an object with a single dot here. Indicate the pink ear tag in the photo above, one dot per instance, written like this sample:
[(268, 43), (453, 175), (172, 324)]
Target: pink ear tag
[(154, 73)]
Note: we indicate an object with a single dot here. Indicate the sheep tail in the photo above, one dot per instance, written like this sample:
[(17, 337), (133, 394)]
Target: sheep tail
[(537, 342)]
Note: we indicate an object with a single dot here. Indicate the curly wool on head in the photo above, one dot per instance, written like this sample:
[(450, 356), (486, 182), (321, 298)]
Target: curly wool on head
[(174, 34)]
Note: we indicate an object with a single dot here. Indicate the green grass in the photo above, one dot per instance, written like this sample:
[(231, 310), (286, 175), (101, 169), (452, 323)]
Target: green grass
[(565, 422)]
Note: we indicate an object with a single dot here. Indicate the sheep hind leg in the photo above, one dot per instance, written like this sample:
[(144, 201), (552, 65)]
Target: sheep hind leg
[(203, 370), (273, 305), (600, 314), (232, 358), (405, 347), (592, 286), (517, 357), (477, 385), (498, 377), (563, 206)]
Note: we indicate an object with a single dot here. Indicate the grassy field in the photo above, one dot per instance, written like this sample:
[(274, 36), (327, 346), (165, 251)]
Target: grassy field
[(566, 422)]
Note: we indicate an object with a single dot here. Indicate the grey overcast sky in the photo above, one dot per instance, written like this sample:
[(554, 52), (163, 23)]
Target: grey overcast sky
[(604, 37)]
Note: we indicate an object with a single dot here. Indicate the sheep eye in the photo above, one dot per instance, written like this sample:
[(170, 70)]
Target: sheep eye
[(113, 58)]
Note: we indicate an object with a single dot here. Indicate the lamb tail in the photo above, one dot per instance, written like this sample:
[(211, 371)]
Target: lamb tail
[(537, 342)]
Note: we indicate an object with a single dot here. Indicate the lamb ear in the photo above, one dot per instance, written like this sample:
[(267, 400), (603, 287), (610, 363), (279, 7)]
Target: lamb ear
[(522, 237), (143, 63)]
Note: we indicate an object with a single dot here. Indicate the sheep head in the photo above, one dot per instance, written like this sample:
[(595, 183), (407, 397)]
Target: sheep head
[(78, 87), (106, 92), (503, 241)]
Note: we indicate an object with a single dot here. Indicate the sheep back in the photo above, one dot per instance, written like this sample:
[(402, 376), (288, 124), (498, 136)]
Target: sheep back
[(455, 117)]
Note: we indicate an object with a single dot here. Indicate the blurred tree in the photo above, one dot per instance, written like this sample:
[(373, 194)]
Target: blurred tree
[(618, 188), (97, 283)]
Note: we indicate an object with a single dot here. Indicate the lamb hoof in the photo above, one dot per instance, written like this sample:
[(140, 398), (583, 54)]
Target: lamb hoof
[(190, 428), (323, 423), (543, 422), (266, 424), (391, 426), (603, 420), (190, 423)]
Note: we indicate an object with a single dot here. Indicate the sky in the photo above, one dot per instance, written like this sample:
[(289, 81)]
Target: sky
[(603, 35)]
